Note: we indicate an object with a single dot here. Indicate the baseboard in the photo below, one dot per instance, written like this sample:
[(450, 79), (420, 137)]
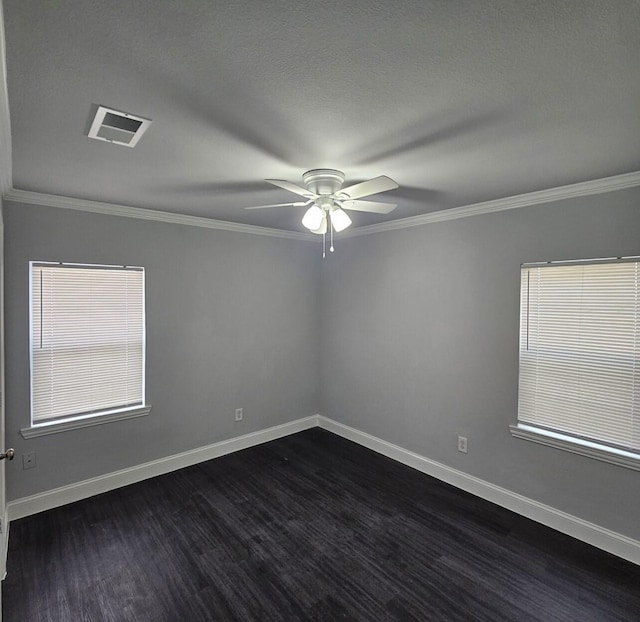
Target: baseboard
[(5, 547), (96, 485), (597, 536)]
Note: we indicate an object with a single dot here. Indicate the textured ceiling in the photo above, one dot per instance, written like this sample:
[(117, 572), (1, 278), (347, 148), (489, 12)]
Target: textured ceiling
[(458, 101)]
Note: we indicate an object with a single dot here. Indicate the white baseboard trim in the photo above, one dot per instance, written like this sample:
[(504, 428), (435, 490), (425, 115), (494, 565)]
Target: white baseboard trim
[(96, 485), (597, 536), (5, 548)]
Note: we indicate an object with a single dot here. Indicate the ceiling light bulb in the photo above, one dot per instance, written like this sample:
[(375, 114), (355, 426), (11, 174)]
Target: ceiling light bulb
[(340, 219), (322, 229), (313, 218)]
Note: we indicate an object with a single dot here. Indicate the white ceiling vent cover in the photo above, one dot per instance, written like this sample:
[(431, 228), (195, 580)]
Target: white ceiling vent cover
[(119, 128)]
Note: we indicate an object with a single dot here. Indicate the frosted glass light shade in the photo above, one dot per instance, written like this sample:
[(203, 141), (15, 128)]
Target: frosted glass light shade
[(340, 219), (323, 226), (313, 218)]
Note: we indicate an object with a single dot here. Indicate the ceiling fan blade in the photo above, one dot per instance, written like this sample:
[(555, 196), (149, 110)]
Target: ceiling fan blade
[(365, 188), (373, 207), (287, 185), (296, 204)]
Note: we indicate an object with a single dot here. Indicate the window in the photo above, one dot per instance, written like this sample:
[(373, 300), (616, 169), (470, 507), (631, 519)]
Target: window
[(87, 344), (579, 369)]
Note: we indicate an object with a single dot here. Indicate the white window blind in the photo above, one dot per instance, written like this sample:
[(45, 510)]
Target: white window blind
[(87, 340), (579, 371)]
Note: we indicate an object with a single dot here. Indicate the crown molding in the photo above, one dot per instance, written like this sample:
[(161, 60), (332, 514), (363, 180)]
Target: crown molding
[(596, 186), (585, 188), (111, 209), (5, 126)]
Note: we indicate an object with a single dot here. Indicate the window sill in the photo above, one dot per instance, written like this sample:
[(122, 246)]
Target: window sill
[(83, 422), (619, 457)]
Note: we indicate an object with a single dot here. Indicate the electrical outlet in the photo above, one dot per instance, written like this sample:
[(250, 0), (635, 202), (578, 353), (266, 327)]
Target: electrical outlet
[(29, 460), (462, 444), (239, 414)]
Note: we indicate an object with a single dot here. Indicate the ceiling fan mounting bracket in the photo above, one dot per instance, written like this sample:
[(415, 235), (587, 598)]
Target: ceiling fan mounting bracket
[(323, 181)]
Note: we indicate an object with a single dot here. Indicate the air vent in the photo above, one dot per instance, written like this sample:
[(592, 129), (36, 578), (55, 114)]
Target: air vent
[(119, 128)]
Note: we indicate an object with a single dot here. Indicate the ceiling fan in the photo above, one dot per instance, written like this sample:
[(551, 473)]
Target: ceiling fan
[(328, 200)]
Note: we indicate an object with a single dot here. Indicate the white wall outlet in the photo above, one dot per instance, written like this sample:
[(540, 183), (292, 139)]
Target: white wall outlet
[(462, 444), (239, 414), (29, 460)]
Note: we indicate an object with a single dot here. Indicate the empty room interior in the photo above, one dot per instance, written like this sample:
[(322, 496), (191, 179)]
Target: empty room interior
[(320, 310)]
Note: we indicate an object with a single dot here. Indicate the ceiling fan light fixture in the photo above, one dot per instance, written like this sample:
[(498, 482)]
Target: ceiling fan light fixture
[(312, 219), (328, 199), (340, 219)]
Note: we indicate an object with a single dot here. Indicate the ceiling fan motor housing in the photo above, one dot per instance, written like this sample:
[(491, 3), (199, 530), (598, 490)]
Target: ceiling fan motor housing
[(323, 181)]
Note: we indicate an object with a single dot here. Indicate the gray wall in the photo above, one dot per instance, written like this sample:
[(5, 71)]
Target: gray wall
[(419, 341), (232, 321), (420, 345)]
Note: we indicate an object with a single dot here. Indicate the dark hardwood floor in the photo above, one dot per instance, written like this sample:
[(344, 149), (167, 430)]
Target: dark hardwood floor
[(309, 527)]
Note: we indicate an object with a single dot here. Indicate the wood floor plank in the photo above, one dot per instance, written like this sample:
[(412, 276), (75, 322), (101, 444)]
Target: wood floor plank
[(309, 527)]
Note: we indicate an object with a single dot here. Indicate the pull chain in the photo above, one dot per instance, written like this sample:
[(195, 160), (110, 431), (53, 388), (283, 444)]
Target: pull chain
[(331, 247), (324, 244)]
